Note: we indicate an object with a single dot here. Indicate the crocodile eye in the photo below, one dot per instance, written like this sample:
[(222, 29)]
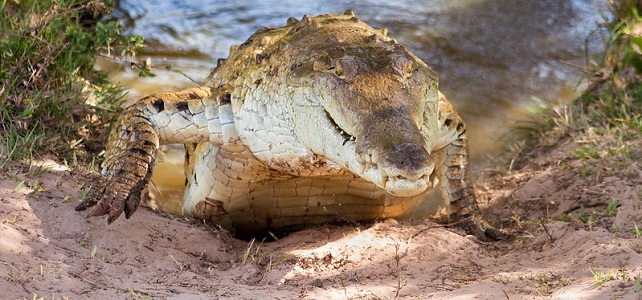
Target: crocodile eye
[(410, 67), (403, 67), (338, 70), (346, 68)]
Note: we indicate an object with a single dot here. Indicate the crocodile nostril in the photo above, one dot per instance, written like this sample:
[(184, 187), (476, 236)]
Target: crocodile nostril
[(411, 149), (409, 160)]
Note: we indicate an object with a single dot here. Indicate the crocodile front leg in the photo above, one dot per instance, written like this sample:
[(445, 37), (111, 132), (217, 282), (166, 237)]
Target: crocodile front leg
[(453, 173), (456, 186), (164, 118)]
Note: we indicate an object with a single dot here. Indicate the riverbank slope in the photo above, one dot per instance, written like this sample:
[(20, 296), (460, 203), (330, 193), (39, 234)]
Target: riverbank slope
[(571, 199)]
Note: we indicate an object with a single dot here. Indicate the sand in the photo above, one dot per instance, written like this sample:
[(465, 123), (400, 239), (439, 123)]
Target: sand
[(566, 244)]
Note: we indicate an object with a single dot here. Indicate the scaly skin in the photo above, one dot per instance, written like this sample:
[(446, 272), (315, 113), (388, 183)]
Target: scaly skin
[(323, 120)]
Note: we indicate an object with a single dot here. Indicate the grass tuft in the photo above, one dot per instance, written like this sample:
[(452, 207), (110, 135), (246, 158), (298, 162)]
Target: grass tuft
[(610, 107), (53, 101)]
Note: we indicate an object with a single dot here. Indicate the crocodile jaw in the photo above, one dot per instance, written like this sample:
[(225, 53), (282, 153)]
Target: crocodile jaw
[(316, 129), (407, 188), (397, 185), (395, 181)]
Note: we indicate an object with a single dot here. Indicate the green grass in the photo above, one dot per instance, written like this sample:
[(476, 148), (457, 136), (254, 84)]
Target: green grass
[(53, 101), (611, 209), (592, 217), (600, 279), (606, 119)]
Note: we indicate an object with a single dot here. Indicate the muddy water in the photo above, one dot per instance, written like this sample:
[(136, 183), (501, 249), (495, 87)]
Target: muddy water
[(495, 58)]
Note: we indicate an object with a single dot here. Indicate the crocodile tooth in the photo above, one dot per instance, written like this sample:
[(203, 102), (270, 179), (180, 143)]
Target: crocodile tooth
[(432, 183)]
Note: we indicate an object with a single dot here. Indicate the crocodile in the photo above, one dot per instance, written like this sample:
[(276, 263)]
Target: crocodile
[(323, 120)]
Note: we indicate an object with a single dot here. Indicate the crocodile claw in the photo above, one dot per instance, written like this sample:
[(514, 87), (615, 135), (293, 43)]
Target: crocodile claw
[(95, 194), (481, 229), (115, 197)]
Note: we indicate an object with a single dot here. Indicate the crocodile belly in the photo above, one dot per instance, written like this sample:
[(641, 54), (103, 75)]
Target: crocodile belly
[(226, 188)]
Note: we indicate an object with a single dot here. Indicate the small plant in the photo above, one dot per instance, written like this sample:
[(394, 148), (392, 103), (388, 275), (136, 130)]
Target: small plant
[(565, 218), (35, 297), (135, 295), (638, 285), (586, 218), (591, 221), (35, 186), (246, 253), (587, 152), (84, 193), (600, 278), (638, 231), (58, 183), (398, 272), (67, 197), (611, 209), (342, 278), (19, 186), (543, 287), (582, 216), (263, 259)]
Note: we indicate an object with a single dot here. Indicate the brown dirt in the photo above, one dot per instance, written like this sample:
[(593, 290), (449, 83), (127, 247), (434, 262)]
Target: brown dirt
[(47, 249)]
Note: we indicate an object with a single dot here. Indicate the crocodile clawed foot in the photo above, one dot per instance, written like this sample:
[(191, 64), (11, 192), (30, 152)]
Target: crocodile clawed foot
[(481, 229), (113, 198)]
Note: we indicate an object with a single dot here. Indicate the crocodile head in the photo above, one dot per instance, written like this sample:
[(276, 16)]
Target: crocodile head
[(367, 104)]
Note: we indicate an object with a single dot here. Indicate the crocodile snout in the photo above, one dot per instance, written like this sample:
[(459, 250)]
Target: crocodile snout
[(407, 168), (393, 146)]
